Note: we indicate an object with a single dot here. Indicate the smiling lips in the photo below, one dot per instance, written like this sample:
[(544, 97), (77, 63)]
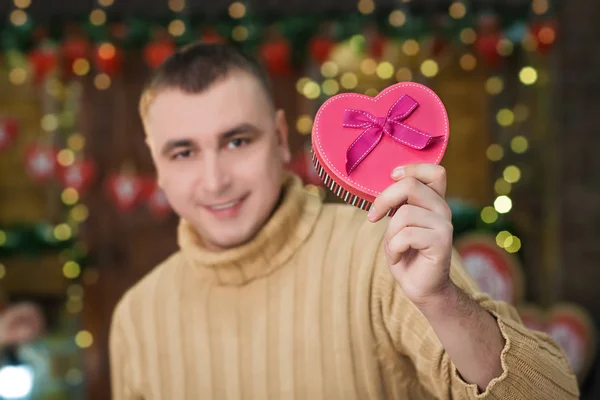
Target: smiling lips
[(226, 210)]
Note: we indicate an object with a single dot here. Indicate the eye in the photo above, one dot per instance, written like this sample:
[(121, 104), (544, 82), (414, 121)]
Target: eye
[(237, 142), (182, 154)]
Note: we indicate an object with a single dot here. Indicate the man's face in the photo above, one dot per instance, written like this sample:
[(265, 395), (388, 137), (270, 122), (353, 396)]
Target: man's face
[(219, 156)]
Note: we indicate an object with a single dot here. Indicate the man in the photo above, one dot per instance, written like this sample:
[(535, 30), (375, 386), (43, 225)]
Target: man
[(275, 295)]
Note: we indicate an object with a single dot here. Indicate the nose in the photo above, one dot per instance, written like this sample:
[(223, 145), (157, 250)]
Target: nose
[(216, 178)]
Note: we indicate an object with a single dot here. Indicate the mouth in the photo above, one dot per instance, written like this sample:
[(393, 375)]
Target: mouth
[(225, 206), (226, 209)]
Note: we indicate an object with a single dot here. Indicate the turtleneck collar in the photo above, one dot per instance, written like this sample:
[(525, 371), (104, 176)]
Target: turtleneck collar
[(279, 238)]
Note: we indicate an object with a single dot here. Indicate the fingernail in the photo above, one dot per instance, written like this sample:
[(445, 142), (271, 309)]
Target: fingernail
[(398, 173), (371, 214)]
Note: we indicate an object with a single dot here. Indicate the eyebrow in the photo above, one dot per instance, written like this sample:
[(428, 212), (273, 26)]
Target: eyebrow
[(170, 145)]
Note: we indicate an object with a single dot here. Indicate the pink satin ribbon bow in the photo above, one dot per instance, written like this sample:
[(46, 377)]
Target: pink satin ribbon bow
[(376, 126)]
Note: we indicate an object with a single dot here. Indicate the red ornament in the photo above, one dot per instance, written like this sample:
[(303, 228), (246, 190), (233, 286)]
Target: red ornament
[(156, 53), (79, 175), (158, 202), (40, 162), (487, 48), (126, 190), (44, 60), (276, 56), (211, 36), (302, 166), (438, 45), (544, 33), (108, 58), (73, 49), (9, 129), (320, 48), (377, 45)]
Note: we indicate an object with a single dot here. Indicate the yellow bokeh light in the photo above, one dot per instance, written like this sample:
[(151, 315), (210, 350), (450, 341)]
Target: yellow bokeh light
[(2, 238), (468, 36), (17, 76), (349, 80), (503, 204), (366, 6), (2, 271), (505, 117), (22, 3), (529, 42), (528, 75), (519, 144), (514, 246), (404, 75), (84, 339), (489, 215), (329, 69), (75, 291), (397, 18), (239, 33), (539, 7), (66, 157), (512, 174), (76, 142), (457, 10), (176, 27), (102, 81), (176, 5), (385, 70), (368, 66), (79, 213), (330, 87), (411, 47), (49, 122), (372, 92), (98, 17), (18, 17), (74, 306), (495, 152), (301, 83), (357, 42), (62, 232), (505, 47), (237, 10), (429, 68), (312, 90), (468, 62), (501, 238), (55, 87), (106, 3), (71, 270), (502, 187), (494, 85), (70, 196), (521, 112), (81, 67), (304, 124)]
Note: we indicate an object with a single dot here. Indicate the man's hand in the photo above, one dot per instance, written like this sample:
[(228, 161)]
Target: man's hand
[(20, 323), (418, 241)]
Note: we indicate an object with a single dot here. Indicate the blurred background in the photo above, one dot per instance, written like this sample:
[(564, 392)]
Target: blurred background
[(81, 219)]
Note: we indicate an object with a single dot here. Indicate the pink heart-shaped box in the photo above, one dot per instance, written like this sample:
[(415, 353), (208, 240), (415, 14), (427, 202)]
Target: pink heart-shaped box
[(402, 116)]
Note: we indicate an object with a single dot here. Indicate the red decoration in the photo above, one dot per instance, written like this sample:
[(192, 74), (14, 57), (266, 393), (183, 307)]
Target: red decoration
[(127, 190), (320, 48), (156, 53), (211, 36), (108, 58), (276, 55), (158, 202), (41, 162), (377, 45), (487, 48), (9, 129), (302, 166), (74, 48), (544, 33), (438, 45), (44, 60), (79, 175)]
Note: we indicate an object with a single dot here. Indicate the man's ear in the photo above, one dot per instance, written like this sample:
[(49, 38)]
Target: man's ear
[(282, 132)]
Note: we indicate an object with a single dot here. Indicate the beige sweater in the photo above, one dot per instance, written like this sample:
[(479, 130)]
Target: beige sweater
[(307, 310)]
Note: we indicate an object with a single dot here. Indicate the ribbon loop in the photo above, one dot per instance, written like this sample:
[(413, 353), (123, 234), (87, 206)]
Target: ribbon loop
[(374, 128)]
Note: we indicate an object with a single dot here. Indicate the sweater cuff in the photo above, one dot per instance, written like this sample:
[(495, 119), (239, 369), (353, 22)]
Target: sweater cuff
[(523, 370)]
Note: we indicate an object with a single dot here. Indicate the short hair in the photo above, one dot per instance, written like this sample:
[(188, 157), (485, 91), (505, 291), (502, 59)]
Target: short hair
[(194, 68)]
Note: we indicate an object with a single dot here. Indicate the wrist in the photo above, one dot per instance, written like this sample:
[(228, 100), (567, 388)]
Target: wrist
[(444, 303)]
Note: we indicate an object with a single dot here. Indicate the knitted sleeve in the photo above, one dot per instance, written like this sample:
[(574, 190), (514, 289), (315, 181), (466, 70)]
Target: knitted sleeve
[(534, 367)]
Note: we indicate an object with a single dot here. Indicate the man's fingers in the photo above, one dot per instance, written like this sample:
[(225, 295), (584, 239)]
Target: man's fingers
[(432, 175), (409, 215), (412, 191)]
